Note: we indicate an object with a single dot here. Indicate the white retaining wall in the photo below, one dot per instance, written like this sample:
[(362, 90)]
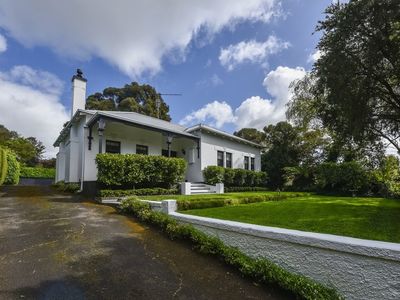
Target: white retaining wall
[(358, 269)]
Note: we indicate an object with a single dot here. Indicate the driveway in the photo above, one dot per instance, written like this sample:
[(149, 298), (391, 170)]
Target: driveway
[(55, 246)]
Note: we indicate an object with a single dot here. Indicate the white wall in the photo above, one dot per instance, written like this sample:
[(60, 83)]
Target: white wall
[(210, 144)]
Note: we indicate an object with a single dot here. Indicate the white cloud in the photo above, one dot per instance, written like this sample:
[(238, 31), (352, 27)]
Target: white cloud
[(132, 35), (214, 80), (250, 52), (215, 113), (255, 112), (30, 104), (313, 57), (3, 43)]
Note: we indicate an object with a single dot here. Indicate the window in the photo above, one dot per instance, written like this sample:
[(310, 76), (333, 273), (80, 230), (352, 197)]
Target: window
[(141, 149), (252, 163), (113, 147), (164, 152), (228, 162), (220, 158), (246, 162)]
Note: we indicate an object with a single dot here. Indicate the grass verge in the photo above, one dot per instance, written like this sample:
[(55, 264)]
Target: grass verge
[(260, 270)]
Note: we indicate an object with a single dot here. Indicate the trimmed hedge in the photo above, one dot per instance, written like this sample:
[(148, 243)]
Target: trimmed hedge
[(139, 171), (137, 192), (260, 269), (3, 165), (13, 168), (68, 187), (233, 189), (218, 202), (233, 177), (37, 172)]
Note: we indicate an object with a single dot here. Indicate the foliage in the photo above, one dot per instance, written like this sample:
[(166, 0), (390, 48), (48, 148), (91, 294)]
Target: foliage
[(232, 189), (137, 192), (13, 168), (353, 87), (37, 172), (137, 171), (67, 187), (233, 177), (260, 270), (359, 217), (386, 178), (300, 178), (131, 97), (3, 165), (252, 135)]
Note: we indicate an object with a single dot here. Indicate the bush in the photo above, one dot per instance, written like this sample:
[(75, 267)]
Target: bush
[(138, 192), (3, 165), (260, 269), (233, 177), (139, 171), (233, 189), (13, 168), (213, 174), (301, 178), (68, 187), (37, 172), (385, 180)]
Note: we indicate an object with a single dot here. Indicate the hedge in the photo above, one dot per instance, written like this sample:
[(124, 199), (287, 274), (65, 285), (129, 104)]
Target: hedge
[(13, 168), (137, 192), (233, 177), (3, 165), (139, 171), (260, 270), (38, 172), (233, 189), (68, 187)]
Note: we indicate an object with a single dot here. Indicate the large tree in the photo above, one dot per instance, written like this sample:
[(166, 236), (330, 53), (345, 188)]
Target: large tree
[(354, 87), (252, 135), (132, 97)]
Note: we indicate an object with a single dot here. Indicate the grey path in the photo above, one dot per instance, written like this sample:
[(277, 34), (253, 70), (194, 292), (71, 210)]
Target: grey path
[(55, 247)]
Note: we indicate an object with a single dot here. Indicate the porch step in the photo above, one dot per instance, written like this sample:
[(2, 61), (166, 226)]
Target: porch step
[(200, 188)]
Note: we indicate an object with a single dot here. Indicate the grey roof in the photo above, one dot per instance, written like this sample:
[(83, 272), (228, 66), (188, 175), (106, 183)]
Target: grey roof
[(222, 133)]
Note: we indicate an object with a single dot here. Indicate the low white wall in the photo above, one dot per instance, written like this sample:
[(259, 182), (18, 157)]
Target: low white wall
[(358, 269)]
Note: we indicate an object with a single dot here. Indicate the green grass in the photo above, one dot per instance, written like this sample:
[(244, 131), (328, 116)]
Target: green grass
[(366, 218), (240, 195)]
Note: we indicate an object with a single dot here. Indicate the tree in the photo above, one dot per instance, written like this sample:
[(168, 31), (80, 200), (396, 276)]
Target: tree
[(354, 87), (251, 134), (132, 97)]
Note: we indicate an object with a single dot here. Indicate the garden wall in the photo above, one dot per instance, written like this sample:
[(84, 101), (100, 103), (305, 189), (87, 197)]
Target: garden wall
[(358, 269)]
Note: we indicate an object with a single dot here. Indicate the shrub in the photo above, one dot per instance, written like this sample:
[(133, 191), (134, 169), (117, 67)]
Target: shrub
[(240, 177), (68, 187), (232, 189), (385, 180), (300, 178), (13, 168), (137, 192), (37, 172), (3, 165), (260, 269), (213, 174), (229, 176), (135, 170)]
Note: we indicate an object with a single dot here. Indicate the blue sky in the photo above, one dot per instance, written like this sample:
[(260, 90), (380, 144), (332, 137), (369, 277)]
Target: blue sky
[(266, 44)]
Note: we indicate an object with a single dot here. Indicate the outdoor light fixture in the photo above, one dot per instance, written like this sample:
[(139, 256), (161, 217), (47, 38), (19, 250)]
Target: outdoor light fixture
[(102, 125)]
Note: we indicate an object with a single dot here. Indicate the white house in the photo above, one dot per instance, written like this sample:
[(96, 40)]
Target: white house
[(90, 132)]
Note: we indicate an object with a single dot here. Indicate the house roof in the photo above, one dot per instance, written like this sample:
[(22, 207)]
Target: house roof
[(222, 133), (146, 122)]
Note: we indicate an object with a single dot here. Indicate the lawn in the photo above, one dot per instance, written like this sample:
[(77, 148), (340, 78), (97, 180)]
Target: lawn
[(367, 218)]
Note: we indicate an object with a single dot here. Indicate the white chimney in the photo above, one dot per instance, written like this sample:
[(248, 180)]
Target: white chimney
[(78, 92)]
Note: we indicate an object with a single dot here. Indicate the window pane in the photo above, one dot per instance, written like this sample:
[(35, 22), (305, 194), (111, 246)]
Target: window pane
[(141, 149), (220, 158), (252, 163), (246, 162), (164, 152), (113, 146), (228, 160)]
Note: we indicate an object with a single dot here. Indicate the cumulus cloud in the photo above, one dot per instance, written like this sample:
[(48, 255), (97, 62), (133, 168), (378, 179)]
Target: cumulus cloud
[(250, 52), (255, 112), (3, 43), (132, 35), (30, 104), (313, 57), (215, 113)]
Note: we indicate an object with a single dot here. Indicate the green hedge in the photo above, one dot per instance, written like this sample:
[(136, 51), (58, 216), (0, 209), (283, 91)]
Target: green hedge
[(3, 165), (68, 187), (137, 192), (260, 270), (13, 168), (233, 177), (139, 171), (37, 172), (233, 189)]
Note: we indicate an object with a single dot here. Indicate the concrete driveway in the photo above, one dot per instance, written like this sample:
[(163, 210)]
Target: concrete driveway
[(55, 246)]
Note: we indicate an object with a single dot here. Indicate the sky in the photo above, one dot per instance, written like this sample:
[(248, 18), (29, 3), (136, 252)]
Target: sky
[(232, 60)]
